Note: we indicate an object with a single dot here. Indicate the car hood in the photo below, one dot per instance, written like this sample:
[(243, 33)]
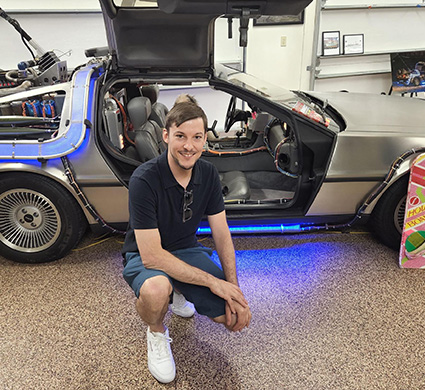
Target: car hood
[(368, 112), (177, 35)]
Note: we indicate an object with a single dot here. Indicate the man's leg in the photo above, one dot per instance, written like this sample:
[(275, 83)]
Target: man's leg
[(206, 303), (152, 304), (153, 290)]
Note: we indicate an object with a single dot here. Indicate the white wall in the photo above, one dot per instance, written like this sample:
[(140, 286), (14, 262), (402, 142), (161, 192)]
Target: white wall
[(389, 26), (401, 28), (58, 32), (38, 5), (384, 29), (284, 66)]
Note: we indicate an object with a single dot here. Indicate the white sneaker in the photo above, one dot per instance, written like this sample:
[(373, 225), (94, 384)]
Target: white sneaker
[(181, 307), (160, 358)]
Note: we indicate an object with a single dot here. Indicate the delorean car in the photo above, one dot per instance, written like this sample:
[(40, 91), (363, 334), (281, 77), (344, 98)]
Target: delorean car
[(289, 161)]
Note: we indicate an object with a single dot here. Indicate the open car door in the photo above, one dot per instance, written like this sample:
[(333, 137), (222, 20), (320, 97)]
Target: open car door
[(178, 34)]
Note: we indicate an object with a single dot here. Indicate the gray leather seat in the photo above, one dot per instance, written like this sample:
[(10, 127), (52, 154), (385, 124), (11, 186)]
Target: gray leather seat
[(159, 110), (147, 134)]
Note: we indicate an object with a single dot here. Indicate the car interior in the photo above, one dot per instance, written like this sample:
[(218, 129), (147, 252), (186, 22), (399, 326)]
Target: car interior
[(257, 154)]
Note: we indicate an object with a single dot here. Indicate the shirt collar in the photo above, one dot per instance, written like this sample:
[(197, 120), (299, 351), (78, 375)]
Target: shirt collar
[(168, 177)]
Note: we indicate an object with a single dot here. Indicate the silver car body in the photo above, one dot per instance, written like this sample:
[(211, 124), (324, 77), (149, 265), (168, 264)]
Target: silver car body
[(347, 161)]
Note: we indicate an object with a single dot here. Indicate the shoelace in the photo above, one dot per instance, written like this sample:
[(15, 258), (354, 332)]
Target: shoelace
[(160, 345)]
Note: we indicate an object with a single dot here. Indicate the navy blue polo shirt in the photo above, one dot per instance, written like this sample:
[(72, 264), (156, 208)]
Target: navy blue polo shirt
[(156, 201)]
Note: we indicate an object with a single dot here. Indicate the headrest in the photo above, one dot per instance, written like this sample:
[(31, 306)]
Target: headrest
[(151, 92), (139, 110)]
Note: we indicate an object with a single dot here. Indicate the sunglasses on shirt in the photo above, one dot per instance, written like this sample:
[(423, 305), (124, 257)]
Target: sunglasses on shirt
[(187, 201)]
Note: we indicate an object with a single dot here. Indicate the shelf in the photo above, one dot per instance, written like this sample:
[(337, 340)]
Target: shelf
[(371, 53), (380, 53), (371, 6), (352, 74)]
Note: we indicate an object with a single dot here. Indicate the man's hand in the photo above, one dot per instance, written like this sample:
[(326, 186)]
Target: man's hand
[(230, 292), (243, 317)]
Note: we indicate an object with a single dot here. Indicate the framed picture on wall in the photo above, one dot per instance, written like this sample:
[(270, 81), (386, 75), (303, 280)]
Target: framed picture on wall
[(353, 44), (270, 20), (408, 72), (330, 43)]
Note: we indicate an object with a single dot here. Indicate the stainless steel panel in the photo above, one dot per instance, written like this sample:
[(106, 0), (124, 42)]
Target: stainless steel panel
[(362, 155), (341, 198), (111, 203)]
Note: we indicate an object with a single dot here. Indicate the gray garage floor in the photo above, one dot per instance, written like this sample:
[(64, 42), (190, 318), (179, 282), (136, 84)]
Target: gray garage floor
[(330, 311)]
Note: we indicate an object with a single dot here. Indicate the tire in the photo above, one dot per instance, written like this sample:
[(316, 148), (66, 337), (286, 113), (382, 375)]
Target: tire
[(39, 220), (388, 215)]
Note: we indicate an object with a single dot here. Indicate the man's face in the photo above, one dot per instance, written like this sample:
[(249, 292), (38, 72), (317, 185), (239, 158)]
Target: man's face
[(185, 143)]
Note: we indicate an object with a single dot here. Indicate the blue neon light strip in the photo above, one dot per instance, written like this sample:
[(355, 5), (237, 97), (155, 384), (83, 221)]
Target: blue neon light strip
[(251, 229)]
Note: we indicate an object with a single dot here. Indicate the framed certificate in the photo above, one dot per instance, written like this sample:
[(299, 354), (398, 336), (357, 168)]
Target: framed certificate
[(330, 43), (353, 44)]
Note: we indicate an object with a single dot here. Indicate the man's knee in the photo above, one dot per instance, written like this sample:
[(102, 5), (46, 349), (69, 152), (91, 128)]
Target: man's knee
[(156, 290)]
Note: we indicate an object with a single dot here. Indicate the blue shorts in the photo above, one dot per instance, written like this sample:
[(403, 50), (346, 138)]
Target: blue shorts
[(206, 303)]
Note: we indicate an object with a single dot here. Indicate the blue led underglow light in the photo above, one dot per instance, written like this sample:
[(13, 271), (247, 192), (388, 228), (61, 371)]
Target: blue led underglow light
[(253, 229)]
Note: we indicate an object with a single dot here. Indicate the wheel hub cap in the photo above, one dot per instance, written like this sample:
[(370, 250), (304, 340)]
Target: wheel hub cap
[(399, 214), (29, 217), (29, 221)]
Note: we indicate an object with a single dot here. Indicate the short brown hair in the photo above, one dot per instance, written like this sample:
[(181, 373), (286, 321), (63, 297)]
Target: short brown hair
[(185, 97), (183, 112)]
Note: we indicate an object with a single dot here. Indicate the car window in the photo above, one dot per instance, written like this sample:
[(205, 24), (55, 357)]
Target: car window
[(296, 101)]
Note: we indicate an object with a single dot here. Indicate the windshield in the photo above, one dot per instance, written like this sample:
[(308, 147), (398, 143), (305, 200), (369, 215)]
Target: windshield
[(296, 101)]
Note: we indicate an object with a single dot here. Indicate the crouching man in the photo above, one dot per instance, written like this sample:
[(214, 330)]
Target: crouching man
[(168, 197)]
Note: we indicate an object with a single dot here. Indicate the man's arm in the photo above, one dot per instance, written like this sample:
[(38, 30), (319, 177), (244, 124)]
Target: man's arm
[(154, 256), (224, 245), (226, 253)]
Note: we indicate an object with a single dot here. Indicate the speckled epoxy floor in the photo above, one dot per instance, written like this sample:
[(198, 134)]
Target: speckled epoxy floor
[(330, 311)]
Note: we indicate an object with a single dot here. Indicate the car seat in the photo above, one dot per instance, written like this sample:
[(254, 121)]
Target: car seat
[(148, 135), (159, 110)]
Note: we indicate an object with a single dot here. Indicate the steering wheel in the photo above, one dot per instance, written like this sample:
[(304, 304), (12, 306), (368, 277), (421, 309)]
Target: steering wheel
[(231, 109)]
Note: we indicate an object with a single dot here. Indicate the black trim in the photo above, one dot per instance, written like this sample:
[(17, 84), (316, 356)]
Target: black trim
[(274, 219)]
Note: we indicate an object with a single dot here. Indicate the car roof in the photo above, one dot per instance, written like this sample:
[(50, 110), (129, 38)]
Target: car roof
[(177, 35)]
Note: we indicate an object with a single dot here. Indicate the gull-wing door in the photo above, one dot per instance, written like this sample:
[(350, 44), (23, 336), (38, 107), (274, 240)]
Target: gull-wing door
[(178, 35)]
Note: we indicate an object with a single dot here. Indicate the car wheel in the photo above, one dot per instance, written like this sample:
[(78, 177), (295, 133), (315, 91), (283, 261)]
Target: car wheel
[(388, 215), (39, 220)]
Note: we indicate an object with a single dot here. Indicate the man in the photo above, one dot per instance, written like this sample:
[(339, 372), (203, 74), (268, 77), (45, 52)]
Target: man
[(168, 197)]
